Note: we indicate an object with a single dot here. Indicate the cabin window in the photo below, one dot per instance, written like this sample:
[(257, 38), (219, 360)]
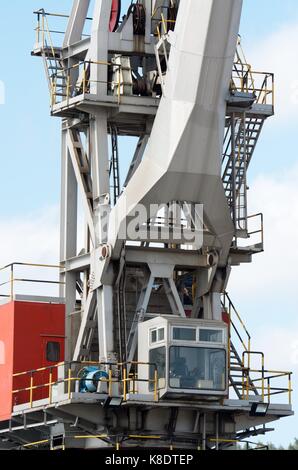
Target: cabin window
[(53, 351), (184, 334), (157, 359), (197, 368), (157, 335), (211, 335)]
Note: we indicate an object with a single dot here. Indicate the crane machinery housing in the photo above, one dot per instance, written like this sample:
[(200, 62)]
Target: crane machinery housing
[(143, 346)]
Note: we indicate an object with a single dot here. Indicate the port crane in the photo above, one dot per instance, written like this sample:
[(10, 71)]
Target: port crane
[(143, 345)]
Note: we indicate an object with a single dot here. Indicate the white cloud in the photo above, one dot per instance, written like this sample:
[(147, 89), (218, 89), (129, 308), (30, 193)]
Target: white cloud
[(275, 271), (265, 290), (31, 238), (277, 53), (280, 346)]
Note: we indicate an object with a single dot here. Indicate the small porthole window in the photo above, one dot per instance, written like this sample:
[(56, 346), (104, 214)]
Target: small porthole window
[(53, 351)]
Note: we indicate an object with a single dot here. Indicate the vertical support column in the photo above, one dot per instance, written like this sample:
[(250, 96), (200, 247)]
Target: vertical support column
[(101, 194), (100, 167), (105, 323), (87, 241), (148, 8), (216, 305), (68, 238), (73, 34), (207, 307), (98, 51)]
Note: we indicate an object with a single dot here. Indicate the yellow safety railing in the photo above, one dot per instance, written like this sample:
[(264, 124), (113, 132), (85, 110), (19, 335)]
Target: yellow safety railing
[(262, 85), (113, 439), (255, 445), (246, 80), (235, 317), (42, 28), (253, 377), (253, 380), (160, 24), (64, 87), (116, 440), (163, 26), (117, 374), (36, 443), (10, 278)]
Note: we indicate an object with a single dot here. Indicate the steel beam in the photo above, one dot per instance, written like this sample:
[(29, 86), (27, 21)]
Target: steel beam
[(76, 22)]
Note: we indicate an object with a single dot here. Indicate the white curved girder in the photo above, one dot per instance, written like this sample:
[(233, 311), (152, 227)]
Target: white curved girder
[(182, 160)]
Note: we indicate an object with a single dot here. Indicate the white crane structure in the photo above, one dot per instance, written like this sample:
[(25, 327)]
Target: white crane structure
[(156, 353)]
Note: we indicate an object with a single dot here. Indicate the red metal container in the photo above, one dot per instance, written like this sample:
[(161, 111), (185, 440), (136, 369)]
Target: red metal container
[(31, 337)]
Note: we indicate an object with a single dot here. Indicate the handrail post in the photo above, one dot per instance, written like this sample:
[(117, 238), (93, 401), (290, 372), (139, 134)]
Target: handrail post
[(69, 382), (245, 382), (31, 390), (52, 92), (68, 86), (124, 383), (119, 85), (163, 23), (290, 390), (50, 385), (155, 385), (229, 348), (84, 77), (11, 282), (43, 30), (110, 381), (38, 29), (263, 377), (243, 378), (262, 229)]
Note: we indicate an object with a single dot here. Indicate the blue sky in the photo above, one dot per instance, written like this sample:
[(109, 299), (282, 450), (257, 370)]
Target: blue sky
[(30, 138), (30, 160)]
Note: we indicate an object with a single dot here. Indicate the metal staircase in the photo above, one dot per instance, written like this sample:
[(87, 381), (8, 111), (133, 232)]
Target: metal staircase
[(57, 79), (239, 375), (235, 371), (240, 141), (250, 103)]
